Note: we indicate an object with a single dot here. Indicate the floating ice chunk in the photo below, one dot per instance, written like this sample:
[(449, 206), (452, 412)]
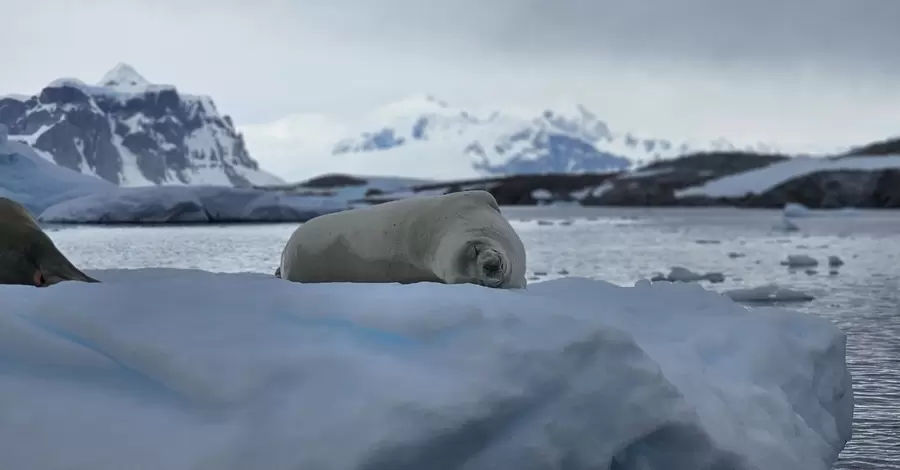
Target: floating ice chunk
[(768, 293), (795, 210), (800, 261), (680, 274)]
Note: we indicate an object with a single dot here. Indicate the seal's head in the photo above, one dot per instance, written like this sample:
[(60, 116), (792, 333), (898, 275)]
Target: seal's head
[(27, 255), (486, 265)]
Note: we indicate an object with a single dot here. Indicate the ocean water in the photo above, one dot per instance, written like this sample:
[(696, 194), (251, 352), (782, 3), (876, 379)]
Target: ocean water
[(622, 246)]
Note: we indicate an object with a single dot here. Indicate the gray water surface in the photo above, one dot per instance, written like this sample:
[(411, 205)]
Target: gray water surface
[(622, 246)]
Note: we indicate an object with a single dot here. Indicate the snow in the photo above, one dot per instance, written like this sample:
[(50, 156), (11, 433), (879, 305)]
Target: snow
[(123, 82), (443, 141), (604, 188), (124, 77), (36, 183), (16, 96), (189, 204), (763, 179), (682, 274), (123, 93), (541, 195), (800, 261), (795, 210), (248, 371), (785, 225), (768, 293), (210, 139)]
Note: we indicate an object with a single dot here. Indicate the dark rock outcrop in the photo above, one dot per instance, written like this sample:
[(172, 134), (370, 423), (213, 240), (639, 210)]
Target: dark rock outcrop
[(884, 147), (656, 184), (833, 190)]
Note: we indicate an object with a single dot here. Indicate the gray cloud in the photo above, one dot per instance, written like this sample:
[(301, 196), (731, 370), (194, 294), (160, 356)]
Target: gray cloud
[(764, 68), (819, 33)]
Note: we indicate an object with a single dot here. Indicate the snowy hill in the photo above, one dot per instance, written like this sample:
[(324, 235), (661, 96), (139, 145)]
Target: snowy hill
[(426, 137), (36, 183), (131, 132)]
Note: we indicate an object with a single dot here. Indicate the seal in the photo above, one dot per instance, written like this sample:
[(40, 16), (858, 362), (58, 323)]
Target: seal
[(454, 238), (27, 255)]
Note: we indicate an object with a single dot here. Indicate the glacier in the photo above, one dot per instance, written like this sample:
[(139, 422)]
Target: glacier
[(37, 183), (185, 369), (189, 204), (57, 194)]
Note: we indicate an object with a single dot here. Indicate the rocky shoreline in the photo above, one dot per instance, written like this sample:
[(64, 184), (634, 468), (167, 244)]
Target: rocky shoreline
[(837, 184)]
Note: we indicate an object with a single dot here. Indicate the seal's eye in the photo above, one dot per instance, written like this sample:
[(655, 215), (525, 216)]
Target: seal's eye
[(39, 280), (474, 251)]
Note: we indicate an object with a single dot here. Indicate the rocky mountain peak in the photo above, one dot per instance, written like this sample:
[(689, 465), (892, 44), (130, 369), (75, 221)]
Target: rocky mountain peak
[(124, 77), (132, 132)]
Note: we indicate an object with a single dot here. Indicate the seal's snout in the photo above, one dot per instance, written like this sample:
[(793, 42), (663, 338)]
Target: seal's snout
[(491, 266)]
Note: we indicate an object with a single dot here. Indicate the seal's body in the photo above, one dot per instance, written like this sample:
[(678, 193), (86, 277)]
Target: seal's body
[(454, 239), (27, 255)]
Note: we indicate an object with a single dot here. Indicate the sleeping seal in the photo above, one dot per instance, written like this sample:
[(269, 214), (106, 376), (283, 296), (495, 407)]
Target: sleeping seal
[(27, 255), (454, 239)]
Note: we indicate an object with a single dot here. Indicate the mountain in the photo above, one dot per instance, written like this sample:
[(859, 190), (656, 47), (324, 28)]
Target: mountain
[(131, 132), (426, 137), (884, 147), (37, 183)]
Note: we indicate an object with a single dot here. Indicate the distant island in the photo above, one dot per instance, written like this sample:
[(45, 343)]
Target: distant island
[(867, 177)]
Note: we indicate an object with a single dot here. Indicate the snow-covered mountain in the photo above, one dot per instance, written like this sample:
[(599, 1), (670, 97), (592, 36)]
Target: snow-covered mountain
[(426, 137), (131, 132)]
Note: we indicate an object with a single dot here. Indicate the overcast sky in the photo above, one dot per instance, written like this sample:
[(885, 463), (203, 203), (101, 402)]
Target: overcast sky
[(790, 71)]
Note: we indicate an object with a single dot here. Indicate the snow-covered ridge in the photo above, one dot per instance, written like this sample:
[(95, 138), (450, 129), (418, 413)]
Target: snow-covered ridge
[(132, 132), (759, 181), (424, 136)]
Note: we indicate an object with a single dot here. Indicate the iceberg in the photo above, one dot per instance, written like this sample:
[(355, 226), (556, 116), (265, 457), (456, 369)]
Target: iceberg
[(60, 195), (189, 204), (184, 369)]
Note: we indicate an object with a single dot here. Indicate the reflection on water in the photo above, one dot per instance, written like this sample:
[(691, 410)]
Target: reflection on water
[(622, 246)]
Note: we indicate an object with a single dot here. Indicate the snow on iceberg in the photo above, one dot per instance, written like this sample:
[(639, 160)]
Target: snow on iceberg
[(232, 371), (188, 204), (768, 293), (682, 274), (800, 261), (763, 179), (793, 209), (37, 183)]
